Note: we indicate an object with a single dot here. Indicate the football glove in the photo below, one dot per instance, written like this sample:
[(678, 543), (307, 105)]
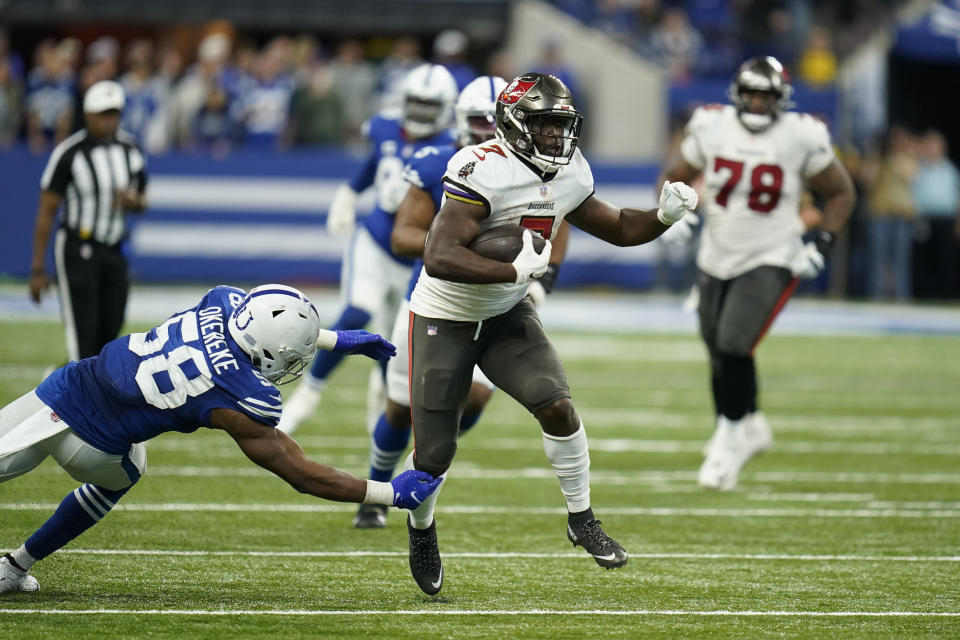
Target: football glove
[(343, 211), (813, 256), (676, 200), (529, 264), (411, 488), (681, 232), (360, 342)]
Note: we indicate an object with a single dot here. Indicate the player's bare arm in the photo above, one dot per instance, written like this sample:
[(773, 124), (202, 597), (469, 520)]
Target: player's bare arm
[(620, 227), (680, 171), (413, 219), (834, 185), (446, 254), (46, 214), (276, 452)]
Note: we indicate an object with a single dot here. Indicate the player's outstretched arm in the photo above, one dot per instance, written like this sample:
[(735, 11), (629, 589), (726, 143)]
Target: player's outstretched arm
[(276, 452), (629, 227), (414, 216)]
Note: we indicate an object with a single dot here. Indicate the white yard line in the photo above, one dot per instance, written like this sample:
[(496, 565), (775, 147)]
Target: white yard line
[(493, 612), (609, 445), (597, 477), (512, 510), (801, 557)]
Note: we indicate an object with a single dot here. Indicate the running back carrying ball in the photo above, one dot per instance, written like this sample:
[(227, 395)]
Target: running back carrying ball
[(503, 242)]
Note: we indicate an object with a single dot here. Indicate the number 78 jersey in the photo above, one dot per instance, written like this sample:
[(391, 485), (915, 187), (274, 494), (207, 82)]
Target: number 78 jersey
[(753, 182)]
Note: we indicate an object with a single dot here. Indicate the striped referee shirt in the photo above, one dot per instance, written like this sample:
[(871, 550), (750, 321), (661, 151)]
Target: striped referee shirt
[(86, 173)]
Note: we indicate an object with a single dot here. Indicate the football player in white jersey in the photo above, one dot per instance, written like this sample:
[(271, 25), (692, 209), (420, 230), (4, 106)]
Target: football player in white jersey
[(467, 309), (756, 159)]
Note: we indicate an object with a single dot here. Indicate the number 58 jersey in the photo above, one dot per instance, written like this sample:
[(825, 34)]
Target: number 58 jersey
[(753, 182), (167, 379)]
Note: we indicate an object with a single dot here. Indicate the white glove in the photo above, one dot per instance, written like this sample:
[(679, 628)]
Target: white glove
[(528, 263), (809, 262), (343, 211), (676, 200), (680, 233), (537, 293)]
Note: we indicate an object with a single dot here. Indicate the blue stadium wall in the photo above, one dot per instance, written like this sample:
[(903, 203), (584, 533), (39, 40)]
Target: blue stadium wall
[(255, 217)]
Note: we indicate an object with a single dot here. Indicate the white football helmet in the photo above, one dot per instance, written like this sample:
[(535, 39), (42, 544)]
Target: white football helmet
[(476, 110), (429, 92), (277, 326)]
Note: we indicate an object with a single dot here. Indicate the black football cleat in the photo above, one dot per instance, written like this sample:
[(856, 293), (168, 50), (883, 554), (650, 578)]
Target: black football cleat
[(425, 564), (371, 516), (588, 533)]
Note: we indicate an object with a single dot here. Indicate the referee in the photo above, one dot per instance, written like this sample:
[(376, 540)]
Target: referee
[(98, 174)]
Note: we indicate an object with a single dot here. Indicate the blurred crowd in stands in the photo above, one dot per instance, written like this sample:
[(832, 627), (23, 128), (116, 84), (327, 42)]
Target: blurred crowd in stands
[(215, 90), (703, 38), (904, 238), (218, 92)]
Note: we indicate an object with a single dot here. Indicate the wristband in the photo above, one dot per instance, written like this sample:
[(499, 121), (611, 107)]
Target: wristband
[(327, 340), (378, 493), (549, 277), (824, 240)]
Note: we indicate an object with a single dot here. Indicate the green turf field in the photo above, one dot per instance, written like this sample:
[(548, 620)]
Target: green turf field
[(849, 528)]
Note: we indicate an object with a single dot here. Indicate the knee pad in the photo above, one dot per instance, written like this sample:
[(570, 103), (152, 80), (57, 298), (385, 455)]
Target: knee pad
[(559, 418), (434, 459)]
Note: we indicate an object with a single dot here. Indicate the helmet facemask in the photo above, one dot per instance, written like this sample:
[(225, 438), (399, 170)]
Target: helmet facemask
[(760, 76), (429, 92)]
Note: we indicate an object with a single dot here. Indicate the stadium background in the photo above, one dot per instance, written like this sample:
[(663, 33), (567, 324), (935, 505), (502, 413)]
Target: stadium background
[(846, 529), (254, 209)]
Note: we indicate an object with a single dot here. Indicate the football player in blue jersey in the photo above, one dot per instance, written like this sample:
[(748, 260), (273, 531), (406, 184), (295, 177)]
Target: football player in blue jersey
[(373, 278), (475, 115), (214, 365)]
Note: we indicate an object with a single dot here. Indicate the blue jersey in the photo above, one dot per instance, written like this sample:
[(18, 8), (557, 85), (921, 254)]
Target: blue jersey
[(167, 379), (425, 170), (391, 149)]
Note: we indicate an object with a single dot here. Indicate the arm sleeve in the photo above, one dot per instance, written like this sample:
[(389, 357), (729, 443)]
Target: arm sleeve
[(56, 175), (138, 170), (692, 146), (363, 180), (819, 148)]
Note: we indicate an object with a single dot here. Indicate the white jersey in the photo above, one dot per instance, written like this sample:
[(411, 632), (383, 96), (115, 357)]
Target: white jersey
[(491, 176), (753, 183)]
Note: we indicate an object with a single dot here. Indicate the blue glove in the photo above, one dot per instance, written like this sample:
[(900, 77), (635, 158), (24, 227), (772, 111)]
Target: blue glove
[(359, 342), (410, 488)]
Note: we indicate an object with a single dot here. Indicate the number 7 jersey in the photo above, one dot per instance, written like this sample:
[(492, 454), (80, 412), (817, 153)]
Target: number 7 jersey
[(167, 379), (753, 182)]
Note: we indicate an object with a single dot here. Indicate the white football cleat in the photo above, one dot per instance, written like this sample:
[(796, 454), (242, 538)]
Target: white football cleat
[(733, 444), (301, 405), (13, 579)]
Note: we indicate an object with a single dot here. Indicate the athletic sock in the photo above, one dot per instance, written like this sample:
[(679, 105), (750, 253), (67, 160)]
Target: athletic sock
[(387, 445), (467, 421), (422, 516), (570, 458), (78, 511)]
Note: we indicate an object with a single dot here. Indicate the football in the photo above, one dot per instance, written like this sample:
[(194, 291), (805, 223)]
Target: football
[(504, 242)]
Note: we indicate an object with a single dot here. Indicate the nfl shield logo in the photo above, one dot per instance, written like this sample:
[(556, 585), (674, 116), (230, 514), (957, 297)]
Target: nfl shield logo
[(431, 330), (544, 191)]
